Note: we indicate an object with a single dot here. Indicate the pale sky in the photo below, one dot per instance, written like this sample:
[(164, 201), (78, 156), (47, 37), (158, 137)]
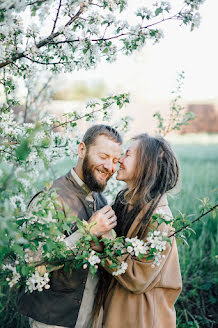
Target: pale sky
[(150, 75)]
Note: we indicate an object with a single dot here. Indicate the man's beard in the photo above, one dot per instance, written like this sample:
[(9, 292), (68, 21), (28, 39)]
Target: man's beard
[(89, 177)]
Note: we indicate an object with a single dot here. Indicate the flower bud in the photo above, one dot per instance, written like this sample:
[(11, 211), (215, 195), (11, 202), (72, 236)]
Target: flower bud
[(47, 286)]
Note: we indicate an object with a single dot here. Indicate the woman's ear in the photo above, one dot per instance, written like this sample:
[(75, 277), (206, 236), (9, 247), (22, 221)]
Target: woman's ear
[(82, 150)]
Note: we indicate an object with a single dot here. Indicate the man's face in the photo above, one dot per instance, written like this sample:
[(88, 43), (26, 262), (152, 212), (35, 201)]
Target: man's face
[(100, 162)]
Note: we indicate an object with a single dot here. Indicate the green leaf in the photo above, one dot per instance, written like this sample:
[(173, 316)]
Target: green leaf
[(113, 266), (158, 11)]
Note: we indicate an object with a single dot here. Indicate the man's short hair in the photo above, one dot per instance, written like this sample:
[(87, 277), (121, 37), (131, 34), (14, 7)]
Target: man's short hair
[(100, 129)]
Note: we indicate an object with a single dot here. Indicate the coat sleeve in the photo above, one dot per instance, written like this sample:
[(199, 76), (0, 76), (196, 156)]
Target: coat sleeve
[(140, 274)]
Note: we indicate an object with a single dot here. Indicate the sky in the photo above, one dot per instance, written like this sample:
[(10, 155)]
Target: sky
[(150, 75)]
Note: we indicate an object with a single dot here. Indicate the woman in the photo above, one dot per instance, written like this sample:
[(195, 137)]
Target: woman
[(143, 296)]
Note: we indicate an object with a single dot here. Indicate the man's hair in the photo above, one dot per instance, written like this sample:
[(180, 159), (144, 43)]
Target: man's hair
[(100, 129)]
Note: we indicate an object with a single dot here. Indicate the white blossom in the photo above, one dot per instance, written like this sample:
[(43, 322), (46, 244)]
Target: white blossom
[(37, 282), (18, 201), (120, 269), (138, 246), (15, 275), (163, 214), (155, 239), (164, 5), (194, 3), (157, 259), (93, 259), (196, 20), (144, 12)]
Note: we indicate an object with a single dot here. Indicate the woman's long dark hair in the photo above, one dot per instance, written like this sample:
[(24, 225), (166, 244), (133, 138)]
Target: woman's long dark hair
[(156, 172)]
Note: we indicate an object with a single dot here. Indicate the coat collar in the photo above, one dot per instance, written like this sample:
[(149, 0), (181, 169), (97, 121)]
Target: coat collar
[(80, 185)]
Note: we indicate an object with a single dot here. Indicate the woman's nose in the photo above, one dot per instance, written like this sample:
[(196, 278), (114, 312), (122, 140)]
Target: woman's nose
[(121, 159)]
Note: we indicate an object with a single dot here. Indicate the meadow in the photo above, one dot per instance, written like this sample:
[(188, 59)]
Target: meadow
[(196, 306)]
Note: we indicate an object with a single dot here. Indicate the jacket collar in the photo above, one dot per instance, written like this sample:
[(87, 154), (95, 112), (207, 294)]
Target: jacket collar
[(79, 184)]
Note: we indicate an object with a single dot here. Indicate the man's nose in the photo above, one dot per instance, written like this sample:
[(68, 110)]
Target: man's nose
[(110, 166)]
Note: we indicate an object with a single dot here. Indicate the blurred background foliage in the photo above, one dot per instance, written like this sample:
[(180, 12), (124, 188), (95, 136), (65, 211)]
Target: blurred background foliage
[(81, 91)]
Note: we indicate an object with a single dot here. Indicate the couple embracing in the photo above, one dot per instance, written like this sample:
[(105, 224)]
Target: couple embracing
[(143, 296)]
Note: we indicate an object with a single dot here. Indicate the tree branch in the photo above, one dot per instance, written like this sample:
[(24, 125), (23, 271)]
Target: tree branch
[(79, 118), (52, 36), (56, 18), (44, 63), (115, 36), (36, 2), (42, 42), (198, 218)]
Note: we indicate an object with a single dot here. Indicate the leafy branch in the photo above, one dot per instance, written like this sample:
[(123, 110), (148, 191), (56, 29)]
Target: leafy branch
[(177, 116), (197, 219), (43, 42), (50, 39)]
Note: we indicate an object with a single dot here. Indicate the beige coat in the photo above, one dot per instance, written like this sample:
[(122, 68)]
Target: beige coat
[(144, 297)]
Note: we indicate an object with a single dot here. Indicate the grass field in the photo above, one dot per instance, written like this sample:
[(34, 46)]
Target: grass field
[(196, 306)]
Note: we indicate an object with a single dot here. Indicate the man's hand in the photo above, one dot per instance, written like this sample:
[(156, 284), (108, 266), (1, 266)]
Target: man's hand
[(105, 219)]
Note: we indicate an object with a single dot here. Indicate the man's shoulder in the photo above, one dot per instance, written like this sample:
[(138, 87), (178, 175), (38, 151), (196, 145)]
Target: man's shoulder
[(59, 182)]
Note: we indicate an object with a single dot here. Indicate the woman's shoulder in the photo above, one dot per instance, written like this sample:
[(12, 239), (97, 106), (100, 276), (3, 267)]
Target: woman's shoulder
[(163, 208)]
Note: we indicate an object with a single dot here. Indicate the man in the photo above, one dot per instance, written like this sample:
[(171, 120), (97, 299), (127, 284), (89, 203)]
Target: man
[(69, 300)]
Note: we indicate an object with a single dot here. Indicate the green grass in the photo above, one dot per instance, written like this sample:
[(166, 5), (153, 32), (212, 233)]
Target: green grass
[(196, 306)]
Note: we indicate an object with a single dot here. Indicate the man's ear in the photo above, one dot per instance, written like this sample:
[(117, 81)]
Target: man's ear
[(82, 150)]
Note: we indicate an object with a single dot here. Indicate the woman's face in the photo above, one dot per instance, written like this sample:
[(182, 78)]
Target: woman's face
[(128, 164)]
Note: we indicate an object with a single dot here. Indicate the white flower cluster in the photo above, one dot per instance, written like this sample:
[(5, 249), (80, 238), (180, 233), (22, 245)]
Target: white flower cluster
[(196, 20), (138, 246), (157, 259), (113, 4), (38, 282), (7, 124), (15, 275), (163, 214), (118, 246), (81, 42), (120, 269), (94, 259), (156, 241), (144, 13), (120, 26), (18, 202), (195, 4), (164, 5)]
